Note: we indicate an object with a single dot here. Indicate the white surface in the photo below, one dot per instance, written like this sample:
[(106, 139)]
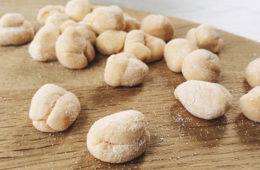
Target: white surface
[(240, 17)]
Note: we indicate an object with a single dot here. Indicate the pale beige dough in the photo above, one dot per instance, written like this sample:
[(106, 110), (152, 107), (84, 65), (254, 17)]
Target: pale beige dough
[(250, 104), (47, 11), (57, 19), (131, 23), (42, 48), (110, 42), (53, 108), (78, 9), (123, 69), (204, 100), (143, 46), (74, 47), (15, 30), (158, 26), (106, 18), (201, 65), (119, 137), (175, 51), (206, 37), (252, 73)]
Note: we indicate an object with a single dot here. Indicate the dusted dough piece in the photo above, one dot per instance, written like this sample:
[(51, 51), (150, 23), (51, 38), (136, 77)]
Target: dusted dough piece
[(74, 48), (253, 73), (47, 11), (204, 100), (158, 26), (123, 69), (57, 19), (206, 37), (105, 18), (53, 108), (201, 65), (110, 42), (15, 30), (175, 51), (131, 23), (143, 46), (250, 104), (78, 9), (119, 137), (42, 48)]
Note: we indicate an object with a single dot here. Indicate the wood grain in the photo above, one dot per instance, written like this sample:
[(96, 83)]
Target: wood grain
[(178, 140)]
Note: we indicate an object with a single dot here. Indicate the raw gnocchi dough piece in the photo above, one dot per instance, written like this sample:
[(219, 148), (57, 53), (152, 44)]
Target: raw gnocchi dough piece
[(175, 51), (206, 37), (131, 23), (74, 47), (106, 18), (53, 108), (250, 104), (158, 26), (201, 65), (47, 11), (123, 69), (42, 48), (119, 137), (78, 9), (204, 100), (57, 19), (252, 73), (15, 30), (110, 42)]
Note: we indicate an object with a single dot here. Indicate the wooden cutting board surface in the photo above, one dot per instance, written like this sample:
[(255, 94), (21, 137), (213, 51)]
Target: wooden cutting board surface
[(178, 140)]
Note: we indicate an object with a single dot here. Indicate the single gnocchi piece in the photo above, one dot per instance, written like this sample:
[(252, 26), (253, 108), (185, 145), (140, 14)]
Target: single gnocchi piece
[(131, 23), (106, 18), (201, 65), (78, 9), (110, 42), (158, 26), (250, 104), (206, 37), (175, 51), (74, 47), (204, 100), (53, 109), (143, 46), (42, 48), (47, 11), (252, 73), (15, 30), (123, 69), (119, 137)]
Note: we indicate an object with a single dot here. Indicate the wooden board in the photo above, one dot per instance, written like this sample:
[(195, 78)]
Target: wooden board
[(178, 140)]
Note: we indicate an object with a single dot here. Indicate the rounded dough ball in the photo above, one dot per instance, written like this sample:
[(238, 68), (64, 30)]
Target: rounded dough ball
[(47, 11), (204, 100), (206, 37), (74, 47), (158, 26), (53, 108), (123, 69), (78, 9), (131, 23), (175, 51), (253, 73), (110, 42), (201, 65), (105, 18), (57, 19), (143, 46), (42, 48), (15, 30), (119, 137), (250, 104)]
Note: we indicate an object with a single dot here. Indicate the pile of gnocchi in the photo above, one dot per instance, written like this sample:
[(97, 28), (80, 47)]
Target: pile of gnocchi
[(71, 34)]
